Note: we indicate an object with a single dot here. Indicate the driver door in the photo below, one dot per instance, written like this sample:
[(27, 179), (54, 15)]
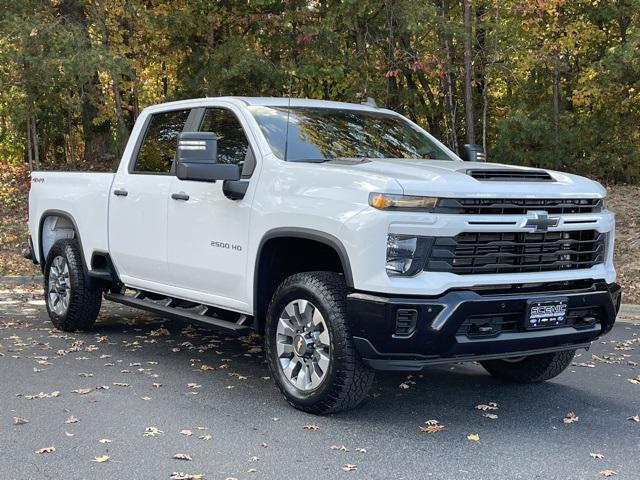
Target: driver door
[(208, 233)]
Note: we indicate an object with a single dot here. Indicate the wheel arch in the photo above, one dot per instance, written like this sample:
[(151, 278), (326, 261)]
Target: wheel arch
[(67, 229), (261, 297)]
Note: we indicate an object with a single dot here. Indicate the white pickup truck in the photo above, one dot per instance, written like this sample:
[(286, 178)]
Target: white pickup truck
[(346, 234)]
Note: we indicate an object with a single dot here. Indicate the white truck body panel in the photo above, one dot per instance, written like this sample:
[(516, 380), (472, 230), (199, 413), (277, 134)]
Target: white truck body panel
[(165, 246)]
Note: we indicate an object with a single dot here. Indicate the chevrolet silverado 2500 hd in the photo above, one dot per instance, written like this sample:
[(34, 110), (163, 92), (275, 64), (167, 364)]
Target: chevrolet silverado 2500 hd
[(346, 234)]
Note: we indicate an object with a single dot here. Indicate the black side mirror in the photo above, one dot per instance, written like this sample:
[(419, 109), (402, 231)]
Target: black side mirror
[(473, 153), (196, 159)]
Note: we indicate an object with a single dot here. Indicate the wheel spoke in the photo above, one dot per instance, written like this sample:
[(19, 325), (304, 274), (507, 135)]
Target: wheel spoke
[(286, 328), (324, 337), (284, 349), (323, 361)]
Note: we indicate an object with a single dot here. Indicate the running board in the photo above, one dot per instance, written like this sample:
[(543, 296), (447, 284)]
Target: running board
[(180, 314)]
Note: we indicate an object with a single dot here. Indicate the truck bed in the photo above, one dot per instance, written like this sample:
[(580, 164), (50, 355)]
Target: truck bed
[(82, 196)]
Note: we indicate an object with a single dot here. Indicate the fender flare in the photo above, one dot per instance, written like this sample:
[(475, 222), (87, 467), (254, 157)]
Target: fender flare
[(307, 234), (69, 217)]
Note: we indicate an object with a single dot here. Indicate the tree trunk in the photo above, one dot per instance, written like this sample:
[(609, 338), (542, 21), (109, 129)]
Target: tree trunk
[(34, 139), (29, 146), (468, 96), (95, 134), (556, 97)]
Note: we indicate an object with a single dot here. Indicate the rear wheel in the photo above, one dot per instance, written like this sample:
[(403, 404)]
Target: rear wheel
[(531, 369), (73, 299), (309, 347)]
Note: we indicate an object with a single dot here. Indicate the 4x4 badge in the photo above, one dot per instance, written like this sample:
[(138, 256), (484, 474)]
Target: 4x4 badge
[(541, 221)]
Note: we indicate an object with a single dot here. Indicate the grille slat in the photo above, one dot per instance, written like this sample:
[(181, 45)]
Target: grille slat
[(470, 253), (501, 206)]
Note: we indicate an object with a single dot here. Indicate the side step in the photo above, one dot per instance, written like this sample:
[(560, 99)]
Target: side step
[(181, 314)]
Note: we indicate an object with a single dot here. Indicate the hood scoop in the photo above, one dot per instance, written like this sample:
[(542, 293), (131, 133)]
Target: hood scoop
[(509, 175)]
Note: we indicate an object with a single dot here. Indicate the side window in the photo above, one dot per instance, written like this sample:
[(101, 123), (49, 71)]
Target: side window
[(160, 140), (233, 146)]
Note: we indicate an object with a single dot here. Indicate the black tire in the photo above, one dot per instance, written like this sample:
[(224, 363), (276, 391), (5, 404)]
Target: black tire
[(347, 380), (84, 296), (532, 369)]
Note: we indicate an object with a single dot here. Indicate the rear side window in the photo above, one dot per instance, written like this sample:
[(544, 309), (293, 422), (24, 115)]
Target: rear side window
[(158, 148), (233, 146)]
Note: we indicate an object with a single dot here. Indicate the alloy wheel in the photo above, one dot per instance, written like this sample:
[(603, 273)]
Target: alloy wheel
[(303, 345), (59, 290)]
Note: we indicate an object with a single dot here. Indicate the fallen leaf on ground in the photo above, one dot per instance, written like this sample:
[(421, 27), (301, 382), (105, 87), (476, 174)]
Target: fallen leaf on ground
[(43, 395), (104, 440), (474, 437), (20, 420), (312, 426), (492, 416), (186, 476), (570, 417), (634, 418), (101, 459), (46, 450), (188, 433), (159, 332), (432, 426), (342, 448), (349, 467), (182, 456), (489, 406), (404, 386), (120, 384), (361, 450), (205, 437), (596, 456), (152, 432), (82, 391), (635, 380), (264, 445), (71, 419), (608, 473)]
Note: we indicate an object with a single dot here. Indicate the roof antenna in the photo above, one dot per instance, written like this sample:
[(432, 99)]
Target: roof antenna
[(286, 130)]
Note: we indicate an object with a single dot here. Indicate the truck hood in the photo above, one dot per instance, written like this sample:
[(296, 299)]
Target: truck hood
[(451, 179)]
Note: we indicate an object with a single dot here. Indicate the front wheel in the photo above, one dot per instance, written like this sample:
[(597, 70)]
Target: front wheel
[(309, 347), (531, 369), (73, 298)]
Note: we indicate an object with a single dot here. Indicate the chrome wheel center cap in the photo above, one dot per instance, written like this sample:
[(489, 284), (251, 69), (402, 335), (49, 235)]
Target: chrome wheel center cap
[(302, 345)]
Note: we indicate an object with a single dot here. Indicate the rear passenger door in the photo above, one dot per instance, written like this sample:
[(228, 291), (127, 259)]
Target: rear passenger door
[(208, 232), (138, 202)]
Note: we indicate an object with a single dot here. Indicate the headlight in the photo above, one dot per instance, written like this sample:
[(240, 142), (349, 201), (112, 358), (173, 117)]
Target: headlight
[(406, 254), (385, 201)]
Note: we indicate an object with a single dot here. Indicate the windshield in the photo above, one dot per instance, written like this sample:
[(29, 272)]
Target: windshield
[(322, 134)]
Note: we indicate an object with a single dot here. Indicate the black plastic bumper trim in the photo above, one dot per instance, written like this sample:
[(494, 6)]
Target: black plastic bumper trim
[(437, 333), (416, 364)]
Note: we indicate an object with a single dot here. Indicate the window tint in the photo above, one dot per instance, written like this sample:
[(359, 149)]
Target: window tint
[(233, 145), (161, 138)]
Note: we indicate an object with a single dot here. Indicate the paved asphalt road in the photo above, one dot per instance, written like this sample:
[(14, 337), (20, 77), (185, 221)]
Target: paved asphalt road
[(254, 434)]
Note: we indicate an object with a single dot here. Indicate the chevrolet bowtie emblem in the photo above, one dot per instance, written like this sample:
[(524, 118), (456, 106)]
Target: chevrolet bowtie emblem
[(541, 221), (300, 344)]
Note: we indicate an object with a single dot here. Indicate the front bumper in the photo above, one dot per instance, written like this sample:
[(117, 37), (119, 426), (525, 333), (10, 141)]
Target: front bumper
[(471, 325)]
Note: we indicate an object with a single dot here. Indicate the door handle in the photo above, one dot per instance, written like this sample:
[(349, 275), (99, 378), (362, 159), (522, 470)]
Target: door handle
[(120, 193), (180, 196)]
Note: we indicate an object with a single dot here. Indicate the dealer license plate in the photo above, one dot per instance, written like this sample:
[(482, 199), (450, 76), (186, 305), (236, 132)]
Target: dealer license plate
[(546, 313)]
